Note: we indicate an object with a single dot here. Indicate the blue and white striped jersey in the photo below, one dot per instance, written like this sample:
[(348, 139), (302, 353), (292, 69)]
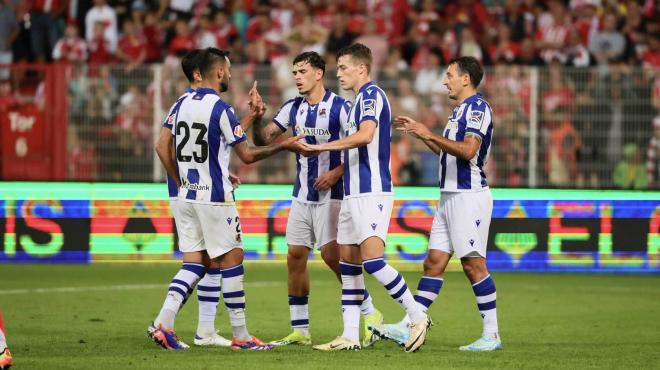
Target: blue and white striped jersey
[(320, 123), (205, 127), (172, 190), (367, 168), (473, 117)]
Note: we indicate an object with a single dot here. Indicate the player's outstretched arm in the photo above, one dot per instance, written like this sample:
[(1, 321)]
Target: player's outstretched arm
[(406, 124), (465, 149), (269, 133), (363, 136), (250, 154), (165, 151)]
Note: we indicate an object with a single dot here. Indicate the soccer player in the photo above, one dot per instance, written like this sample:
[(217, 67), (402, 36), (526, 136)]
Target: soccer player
[(462, 218), (208, 288), (205, 129), (5, 356), (319, 114), (367, 205)]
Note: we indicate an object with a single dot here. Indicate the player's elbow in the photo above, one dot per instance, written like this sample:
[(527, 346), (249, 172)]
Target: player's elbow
[(246, 157), (469, 154), (365, 138)]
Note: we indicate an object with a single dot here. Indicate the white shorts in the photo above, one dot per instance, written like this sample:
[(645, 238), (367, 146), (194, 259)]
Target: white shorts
[(461, 222), (312, 224), (184, 245), (364, 217), (214, 228)]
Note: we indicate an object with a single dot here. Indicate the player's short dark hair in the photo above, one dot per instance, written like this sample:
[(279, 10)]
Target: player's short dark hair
[(359, 52), (189, 63), (311, 57), (471, 66), (208, 58)]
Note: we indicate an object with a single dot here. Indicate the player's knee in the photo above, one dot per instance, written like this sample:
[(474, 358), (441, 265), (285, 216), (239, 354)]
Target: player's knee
[(473, 269), (296, 259), (433, 267), (296, 254), (373, 266)]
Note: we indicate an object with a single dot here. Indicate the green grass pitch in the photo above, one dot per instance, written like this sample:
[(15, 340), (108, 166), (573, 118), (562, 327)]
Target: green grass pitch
[(95, 316)]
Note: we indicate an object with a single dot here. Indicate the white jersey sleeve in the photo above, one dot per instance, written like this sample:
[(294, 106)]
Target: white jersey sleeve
[(478, 118), (283, 117), (230, 126)]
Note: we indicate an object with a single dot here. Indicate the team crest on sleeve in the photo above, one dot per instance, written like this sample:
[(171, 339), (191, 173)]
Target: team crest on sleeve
[(171, 118), (475, 119), (238, 131), (368, 107)]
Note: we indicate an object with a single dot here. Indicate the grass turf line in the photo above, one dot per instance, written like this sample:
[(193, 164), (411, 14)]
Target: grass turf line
[(546, 321)]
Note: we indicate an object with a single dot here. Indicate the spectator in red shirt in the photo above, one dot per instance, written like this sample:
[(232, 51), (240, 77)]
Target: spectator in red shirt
[(132, 48), (651, 56), (553, 32), (71, 48), (7, 98), (99, 46), (183, 42), (225, 31), (505, 49), (587, 21), (154, 36)]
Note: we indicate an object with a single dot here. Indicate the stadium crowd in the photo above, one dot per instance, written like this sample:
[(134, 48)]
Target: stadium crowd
[(599, 75)]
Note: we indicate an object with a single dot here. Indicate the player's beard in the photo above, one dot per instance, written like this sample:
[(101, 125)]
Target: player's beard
[(224, 84)]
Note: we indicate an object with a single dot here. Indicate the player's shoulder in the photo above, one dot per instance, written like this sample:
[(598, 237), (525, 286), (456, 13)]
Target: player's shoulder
[(289, 103), (337, 101), (372, 90), (478, 103)]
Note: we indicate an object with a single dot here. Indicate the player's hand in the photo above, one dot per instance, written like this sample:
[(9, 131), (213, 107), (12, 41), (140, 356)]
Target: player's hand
[(292, 144), (235, 180), (309, 150), (256, 102), (412, 127), (326, 181)]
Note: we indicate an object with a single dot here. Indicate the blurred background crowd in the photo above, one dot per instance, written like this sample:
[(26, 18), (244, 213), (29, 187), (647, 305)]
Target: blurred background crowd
[(575, 85)]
